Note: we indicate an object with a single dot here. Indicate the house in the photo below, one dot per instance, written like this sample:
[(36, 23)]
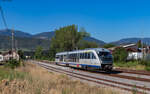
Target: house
[(9, 55), (134, 53), (1, 58)]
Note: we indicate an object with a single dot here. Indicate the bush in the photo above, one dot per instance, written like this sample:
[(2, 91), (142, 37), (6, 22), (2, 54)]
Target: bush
[(120, 54), (12, 63), (147, 68), (127, 64), (145, 62)]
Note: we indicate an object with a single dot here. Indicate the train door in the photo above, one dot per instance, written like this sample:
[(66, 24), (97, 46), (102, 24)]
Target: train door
[(93, 59)]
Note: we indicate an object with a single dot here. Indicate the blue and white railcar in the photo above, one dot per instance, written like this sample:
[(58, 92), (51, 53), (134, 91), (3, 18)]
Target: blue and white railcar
[(98, 58)]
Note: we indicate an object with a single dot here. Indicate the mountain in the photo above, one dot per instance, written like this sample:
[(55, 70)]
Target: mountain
[(17, 33), (49, 35), (131, 40), (25, 43), (44, 35)]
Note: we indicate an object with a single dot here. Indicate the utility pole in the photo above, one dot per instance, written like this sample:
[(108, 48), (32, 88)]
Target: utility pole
[(12, 42)]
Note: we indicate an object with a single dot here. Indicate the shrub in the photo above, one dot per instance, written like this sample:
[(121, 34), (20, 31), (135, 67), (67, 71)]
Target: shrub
[(120, 54), (147, 68), (145, 62), (12, 63)]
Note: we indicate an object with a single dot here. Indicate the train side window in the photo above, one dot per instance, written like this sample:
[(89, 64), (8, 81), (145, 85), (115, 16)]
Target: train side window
[(83, 55), (93, 56), (88, 55), (57, 57), (80, 56), (76, 56)]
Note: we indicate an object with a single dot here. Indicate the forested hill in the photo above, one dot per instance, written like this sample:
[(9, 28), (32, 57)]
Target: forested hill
[(25, 43)]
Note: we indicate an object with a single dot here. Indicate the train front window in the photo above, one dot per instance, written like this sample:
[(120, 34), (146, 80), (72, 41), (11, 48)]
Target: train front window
[(104, 55), (57, 57)]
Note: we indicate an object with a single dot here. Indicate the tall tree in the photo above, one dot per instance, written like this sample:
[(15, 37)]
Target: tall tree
[(139, 44), (120, 54), (86, 44), (84, 33), (38, 52), (66, 39), (21, 54)]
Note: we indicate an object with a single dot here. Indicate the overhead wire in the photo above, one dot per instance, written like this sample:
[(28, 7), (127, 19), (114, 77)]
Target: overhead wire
[(3, 17)]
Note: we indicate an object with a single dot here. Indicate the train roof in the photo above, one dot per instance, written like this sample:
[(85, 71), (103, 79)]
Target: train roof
[(89, 49)]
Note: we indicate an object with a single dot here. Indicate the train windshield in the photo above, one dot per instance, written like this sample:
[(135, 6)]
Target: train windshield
[(104, 56)]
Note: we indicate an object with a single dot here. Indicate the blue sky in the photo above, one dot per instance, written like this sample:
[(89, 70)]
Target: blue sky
[(107, 20)]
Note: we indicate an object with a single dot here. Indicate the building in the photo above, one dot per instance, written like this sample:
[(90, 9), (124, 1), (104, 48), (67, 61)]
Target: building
[(1, 58), (9, 55)]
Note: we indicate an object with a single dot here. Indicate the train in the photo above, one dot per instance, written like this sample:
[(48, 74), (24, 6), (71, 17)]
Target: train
[(94, 58)]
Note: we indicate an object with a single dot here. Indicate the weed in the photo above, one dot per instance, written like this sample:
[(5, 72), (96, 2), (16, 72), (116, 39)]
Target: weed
[(134, 90), (12, 63)]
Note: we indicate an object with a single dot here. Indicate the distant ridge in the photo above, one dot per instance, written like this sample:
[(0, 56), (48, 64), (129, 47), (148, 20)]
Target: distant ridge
[(131, 40), (44, 35), (25, 43), (17, 33)]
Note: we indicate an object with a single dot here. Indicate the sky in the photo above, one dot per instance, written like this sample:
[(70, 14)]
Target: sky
[(107, 20)]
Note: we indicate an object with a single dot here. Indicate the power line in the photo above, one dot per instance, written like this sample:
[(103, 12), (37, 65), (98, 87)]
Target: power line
[(3, 18)]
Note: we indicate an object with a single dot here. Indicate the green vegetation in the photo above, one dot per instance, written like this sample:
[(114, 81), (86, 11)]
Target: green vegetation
[(139, 44), (120, 54), (136, 65), (13, 63), (38, 53), (68, 38), (108, 46), (10, 74), (21, 54), (86, 44)]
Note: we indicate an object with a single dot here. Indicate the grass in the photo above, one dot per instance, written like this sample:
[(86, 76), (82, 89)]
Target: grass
[(10, 74), (135, 65), (32, 79)]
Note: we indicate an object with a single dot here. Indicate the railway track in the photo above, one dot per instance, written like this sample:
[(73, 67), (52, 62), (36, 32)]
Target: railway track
[(138, 72), (134, 71), (122, 82)]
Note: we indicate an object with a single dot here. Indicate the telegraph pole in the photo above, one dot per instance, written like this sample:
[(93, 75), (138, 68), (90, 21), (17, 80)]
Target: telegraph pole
[(12, 41)]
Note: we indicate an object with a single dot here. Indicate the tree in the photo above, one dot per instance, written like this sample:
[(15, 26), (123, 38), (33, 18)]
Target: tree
[(139, 44), (86, 44), (120, 54), (66, 39), (108, 46), (38, 52), (84, 33), (21, 54)]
